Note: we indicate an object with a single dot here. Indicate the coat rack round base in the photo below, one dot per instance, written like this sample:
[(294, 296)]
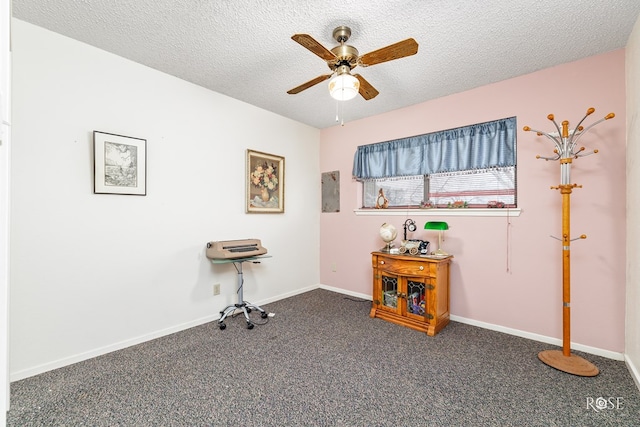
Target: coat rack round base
[(571, 364)]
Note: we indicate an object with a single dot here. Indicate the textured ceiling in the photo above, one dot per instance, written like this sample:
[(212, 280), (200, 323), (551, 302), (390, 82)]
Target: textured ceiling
[(243, 48)]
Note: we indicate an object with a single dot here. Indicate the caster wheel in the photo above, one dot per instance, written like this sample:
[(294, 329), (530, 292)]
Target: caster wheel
[(264, 314), (249, 325), (248, 310), (222, 326)]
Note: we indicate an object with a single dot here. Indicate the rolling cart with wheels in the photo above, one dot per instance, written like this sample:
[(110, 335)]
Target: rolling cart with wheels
[(242, 305)]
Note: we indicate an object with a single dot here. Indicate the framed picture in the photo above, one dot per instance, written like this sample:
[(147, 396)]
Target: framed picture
[(119, 164), (265, 183)]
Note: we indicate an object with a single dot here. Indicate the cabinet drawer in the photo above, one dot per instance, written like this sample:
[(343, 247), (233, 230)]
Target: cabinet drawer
[(406, 267)]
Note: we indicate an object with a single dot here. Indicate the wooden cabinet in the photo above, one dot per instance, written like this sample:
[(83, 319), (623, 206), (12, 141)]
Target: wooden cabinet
[(412, 291)]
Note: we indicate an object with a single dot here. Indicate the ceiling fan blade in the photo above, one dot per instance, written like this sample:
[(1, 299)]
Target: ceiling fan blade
[(308, 84), (398, 50), (366, 90), (310, 43)]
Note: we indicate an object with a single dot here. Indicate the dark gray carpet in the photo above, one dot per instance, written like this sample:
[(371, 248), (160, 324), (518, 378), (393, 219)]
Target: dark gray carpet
[(322, 361)]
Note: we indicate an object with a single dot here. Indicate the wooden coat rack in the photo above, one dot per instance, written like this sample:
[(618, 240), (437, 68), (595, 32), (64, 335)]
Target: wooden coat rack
[(565, 151)]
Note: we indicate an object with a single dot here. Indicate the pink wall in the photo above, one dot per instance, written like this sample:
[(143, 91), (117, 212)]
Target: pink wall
[(527, 295)]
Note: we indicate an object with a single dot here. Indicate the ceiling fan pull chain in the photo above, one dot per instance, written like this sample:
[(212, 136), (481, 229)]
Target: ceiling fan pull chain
[(340, 112)]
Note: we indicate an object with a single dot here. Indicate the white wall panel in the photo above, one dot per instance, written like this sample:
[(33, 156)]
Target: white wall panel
[(92, 273), (632, 327)]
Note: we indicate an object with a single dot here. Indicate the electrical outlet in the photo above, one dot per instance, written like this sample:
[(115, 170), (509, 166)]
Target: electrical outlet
[(216, 289), (334, 266)]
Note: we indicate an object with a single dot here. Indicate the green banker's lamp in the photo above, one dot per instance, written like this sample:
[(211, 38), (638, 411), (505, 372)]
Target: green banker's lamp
[(440, 226)]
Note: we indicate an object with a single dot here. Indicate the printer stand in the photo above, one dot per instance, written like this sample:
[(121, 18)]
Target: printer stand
[(242, 305)]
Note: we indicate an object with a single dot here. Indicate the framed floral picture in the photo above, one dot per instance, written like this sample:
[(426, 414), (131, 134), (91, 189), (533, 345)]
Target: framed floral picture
[(119, 164), (265, 183)]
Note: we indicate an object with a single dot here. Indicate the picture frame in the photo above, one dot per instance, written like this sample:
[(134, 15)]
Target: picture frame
[(119, 164), (264, 183)]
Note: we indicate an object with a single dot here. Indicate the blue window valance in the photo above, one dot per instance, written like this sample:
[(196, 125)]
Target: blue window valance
[(480, 146)]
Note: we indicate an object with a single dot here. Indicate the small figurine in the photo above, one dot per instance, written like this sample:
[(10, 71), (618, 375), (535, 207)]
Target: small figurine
[(381, 201)]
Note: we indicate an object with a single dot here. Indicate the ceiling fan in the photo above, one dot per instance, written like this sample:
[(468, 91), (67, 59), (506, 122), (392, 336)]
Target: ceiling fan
[(344, 58)]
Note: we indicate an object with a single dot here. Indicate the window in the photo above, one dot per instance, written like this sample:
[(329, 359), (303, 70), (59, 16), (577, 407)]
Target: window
[(479, 189), (473, 167)]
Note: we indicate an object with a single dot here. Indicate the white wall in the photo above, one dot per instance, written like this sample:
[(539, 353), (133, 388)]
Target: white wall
[(632, 328), (93, 273), (5, 134)]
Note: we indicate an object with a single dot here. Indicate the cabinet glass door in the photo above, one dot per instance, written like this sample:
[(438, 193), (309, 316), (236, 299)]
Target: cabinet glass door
[(390, 291), (416, 291)]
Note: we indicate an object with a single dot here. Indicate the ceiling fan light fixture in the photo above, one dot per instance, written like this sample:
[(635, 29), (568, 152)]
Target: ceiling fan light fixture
[(344, 87), (343, 58)]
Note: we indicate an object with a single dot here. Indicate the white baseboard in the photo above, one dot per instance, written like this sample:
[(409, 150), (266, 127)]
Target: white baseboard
[(535, 337), (345, 292), (635, 373), (19, 375), (542, 338), (56, 364), (286, 295)]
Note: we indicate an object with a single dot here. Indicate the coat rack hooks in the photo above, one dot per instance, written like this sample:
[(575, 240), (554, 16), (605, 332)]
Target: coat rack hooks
[(565, 151)]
